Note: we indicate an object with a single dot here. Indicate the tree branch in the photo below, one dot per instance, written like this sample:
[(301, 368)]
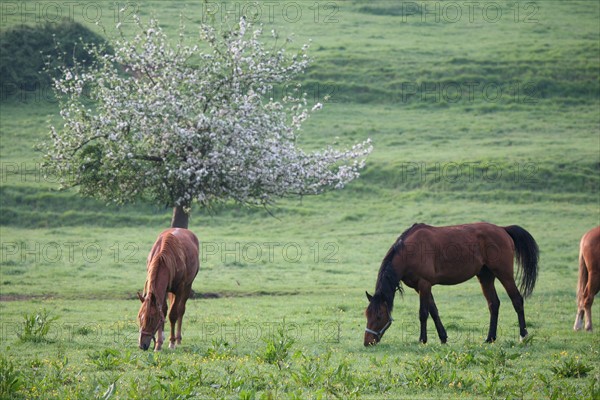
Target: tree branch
[(76, 149), (149, 158)]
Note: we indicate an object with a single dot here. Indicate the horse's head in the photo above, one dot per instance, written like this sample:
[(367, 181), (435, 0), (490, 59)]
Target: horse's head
[(379, 319), (150, 318)]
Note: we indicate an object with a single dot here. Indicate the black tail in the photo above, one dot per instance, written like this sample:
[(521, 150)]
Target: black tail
[(527, 254)]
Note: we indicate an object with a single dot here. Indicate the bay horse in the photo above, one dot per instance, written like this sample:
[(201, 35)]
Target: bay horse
[(589, 277), (424, 256), (172, 266)]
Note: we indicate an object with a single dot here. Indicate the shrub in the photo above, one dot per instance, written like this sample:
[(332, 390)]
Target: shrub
[(25, 49)]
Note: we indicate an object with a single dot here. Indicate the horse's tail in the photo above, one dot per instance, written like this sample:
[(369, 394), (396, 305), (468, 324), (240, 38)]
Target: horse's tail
[(583, 278), (527, 255)]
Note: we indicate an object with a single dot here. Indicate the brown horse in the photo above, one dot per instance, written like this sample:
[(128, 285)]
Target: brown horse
[(424, 256), (589, 277), (172, 266)]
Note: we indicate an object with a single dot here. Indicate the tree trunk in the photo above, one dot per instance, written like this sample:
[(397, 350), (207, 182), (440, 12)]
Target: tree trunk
[(180, 218)]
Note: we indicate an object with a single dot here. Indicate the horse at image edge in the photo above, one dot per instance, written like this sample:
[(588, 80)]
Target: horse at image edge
[(589, 277)]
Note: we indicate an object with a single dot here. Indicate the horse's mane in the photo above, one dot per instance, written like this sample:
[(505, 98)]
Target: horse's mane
[(169, 255), (387, 280)]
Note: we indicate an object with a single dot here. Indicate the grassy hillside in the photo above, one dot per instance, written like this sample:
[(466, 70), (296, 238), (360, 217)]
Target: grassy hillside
[(491, 115)]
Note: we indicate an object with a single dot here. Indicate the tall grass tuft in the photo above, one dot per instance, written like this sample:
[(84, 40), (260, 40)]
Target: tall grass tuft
[(277, 346)]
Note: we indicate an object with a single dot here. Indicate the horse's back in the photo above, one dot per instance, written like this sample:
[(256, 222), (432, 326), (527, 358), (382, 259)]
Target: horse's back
[(190, 245), (478, 232), (186, 241), (185, 235), (454, 254)]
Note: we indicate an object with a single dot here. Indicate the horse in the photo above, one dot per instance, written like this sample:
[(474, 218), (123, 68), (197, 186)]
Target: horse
[(589, 277), (424, 256), (172, 266)]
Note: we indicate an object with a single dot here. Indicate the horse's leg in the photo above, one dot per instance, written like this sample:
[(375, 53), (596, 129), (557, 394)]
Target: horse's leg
[(581, 297), (436, 319), (179, 321), (517, 301), (173, 315), (184, 297), (424, 296), (581, 289), (587, 308), (486, 280), (160, 334), (160, 338), (578, 325), (593, 286), (582, 284)]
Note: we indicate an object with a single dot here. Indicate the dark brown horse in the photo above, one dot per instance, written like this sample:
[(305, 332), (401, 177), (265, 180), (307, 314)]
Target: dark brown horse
[(589, 277), (172, 266), (424, 256)]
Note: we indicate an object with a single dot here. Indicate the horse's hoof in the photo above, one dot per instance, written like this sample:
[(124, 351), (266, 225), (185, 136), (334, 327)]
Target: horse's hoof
[(522, 338)]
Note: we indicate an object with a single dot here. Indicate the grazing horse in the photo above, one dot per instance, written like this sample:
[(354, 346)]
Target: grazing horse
[(172, 266), (424, 256), (589, 277)]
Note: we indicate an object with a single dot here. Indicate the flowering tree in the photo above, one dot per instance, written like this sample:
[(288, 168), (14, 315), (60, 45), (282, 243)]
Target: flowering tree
[(176, 123)]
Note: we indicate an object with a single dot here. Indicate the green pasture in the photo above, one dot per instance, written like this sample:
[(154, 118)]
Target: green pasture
[(478, 117)]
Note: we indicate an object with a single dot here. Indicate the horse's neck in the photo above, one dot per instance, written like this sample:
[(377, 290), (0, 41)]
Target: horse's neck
[(388, 282), (160, 282), (388, 295)]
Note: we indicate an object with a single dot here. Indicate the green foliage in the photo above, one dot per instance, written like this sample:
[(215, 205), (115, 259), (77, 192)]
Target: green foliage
[(26, 49), (220, 349), (159, 360), (277, 345), (566, 366), (107, 359), (10, 378), (36, 326)]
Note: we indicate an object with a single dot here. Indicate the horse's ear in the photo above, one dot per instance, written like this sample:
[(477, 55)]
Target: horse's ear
[(140, 297), (369, 297)]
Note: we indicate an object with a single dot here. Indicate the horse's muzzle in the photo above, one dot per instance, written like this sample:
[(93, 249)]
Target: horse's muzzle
[(370, 340), (145, 341)]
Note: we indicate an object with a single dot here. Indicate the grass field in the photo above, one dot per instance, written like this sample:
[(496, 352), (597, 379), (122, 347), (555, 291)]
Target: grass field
[(487, 113)]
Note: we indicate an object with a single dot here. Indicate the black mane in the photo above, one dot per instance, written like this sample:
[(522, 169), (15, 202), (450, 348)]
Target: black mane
[(387, 280)]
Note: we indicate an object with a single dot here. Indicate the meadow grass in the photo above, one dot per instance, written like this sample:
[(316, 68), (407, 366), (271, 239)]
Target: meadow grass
[(278, 310)]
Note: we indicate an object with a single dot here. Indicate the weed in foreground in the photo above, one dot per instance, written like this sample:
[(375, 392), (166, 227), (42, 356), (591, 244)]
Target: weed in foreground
[(106, 360), (277, 346), (36, 326), (570, 366), (10, 378)]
